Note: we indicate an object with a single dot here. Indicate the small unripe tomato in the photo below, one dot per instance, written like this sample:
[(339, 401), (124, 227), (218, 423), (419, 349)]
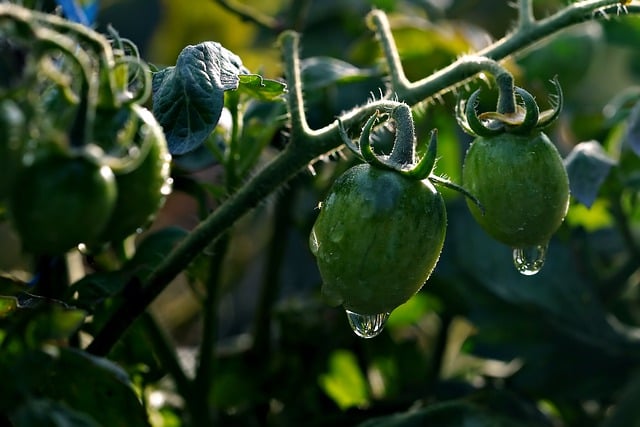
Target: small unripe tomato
[(141, 191), (61, 200), (377, 238), (522, 184)]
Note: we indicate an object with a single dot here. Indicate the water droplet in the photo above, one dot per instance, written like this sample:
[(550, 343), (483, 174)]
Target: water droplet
[(529, 260), (167, 187), (367, 325), (313, 242)]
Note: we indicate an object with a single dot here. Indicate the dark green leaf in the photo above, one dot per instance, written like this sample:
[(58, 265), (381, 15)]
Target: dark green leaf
[(448, 414), (54, 322), (153, 249), (321, 72), (627, 412), (633, 129), (94, 386), (557, 325), (188, 98), (47, 413), (587, 166), (97, 287), (262, 89)]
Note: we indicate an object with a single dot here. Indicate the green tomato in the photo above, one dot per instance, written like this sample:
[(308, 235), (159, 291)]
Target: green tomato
[(522, 185), (142, 190), (61, 200), (12, 135), (377, 238)]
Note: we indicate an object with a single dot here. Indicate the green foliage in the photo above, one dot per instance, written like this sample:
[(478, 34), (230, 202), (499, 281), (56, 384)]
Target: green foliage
[(213, 315)]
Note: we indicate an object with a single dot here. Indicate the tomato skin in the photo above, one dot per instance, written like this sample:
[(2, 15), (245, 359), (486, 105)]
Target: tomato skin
[(60, 201), (522, 184), (12, 135), (377, 238), (143, 190)]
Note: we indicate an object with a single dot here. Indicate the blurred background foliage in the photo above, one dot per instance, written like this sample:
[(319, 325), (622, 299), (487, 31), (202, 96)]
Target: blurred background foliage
[(480, 345)]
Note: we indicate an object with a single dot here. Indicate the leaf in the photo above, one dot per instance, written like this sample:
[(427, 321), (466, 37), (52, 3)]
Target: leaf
[(260, 88), (47, 413), (91, 384), (633, 129), (321, 72), (557, 326), (446, 414), (95, 288), (626, 413), (188, 98), (344, 382), (587, 166), (54, 322)]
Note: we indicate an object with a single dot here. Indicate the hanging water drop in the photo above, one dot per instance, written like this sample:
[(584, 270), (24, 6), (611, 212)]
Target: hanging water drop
[(367, 325), (529, 260)]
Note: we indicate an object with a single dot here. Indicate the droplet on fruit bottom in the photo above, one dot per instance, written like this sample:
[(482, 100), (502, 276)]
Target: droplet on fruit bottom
[(529, 260), (367, 325)]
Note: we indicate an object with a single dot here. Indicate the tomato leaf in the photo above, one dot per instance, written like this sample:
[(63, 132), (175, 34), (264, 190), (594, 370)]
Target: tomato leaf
[(446, 414), (633, 129), (85, 384), (345, 382), (260, 88), (587, 166), (322, 72), (188, 98), (45, 412)]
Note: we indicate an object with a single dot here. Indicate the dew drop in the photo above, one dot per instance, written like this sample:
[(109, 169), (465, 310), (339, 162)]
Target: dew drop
[(529, 260), (167, 187), (367, 325)]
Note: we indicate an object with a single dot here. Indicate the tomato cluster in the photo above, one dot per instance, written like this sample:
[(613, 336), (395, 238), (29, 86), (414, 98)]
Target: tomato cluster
[(81, 160)]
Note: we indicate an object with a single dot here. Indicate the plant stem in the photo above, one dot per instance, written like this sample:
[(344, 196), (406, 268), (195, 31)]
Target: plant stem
[(525, 14), (271, 280), (203, 380), (165, 352), (307, 144)]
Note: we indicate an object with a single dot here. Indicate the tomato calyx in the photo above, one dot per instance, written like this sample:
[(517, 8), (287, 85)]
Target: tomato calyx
[(522, 118), (403, 158)]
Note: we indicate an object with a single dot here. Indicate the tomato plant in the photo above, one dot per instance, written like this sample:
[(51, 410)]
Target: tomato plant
[(173, 224)]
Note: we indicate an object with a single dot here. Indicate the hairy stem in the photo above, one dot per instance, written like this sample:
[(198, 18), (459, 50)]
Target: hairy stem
[(307, 144), (525, 14)]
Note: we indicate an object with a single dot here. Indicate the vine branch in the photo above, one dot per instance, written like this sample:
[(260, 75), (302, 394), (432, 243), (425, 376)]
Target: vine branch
[(308, 144)]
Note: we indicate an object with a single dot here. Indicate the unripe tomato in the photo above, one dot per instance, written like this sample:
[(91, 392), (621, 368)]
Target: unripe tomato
[(522, 184), (61, 200), (377, 238), (143, 190), (12, 134)]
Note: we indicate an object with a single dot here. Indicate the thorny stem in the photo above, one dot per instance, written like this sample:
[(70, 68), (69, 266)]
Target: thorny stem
[(307, 144)]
